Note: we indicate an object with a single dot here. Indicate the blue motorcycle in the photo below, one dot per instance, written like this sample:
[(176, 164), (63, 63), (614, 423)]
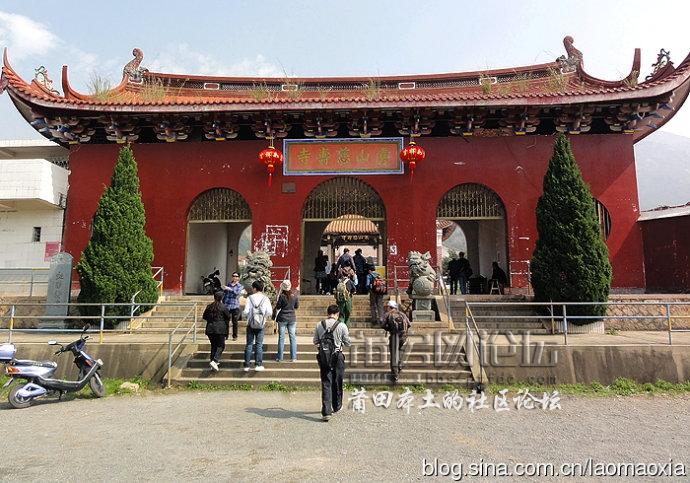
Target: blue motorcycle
[(37, 376)]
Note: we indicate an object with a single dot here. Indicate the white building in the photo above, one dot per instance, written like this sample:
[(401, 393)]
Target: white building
[(33, 193)]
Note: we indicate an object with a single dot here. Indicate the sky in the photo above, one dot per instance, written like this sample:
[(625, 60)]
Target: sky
[(327, 38)]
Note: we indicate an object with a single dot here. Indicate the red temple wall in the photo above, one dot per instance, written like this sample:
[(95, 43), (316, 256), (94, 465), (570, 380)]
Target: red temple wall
[(667, 254), (173, 175)]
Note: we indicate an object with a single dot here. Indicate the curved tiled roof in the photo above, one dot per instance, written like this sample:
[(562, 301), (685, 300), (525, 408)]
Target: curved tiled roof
[(352, 225), (490, 102), (562, 81)]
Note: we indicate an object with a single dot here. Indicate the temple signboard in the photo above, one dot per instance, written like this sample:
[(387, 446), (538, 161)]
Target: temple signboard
[(342, 156)]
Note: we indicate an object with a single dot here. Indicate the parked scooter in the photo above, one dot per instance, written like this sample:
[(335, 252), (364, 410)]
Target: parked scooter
[(38, 374), (211, 283)]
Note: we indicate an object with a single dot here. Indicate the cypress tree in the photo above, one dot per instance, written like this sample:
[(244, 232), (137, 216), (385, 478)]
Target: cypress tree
[(116, 263), (570, 262)]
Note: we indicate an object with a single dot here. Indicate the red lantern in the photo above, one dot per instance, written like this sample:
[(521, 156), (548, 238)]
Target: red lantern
[(270, 157), (411, 155)]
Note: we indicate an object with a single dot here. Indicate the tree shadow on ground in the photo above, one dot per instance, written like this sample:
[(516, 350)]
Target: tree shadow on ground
[(281, 413)]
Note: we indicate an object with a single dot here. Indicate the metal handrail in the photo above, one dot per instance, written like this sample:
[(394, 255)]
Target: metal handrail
[(171, 351), (471, 344), (101, 317), (33, 271), (133, 308), (155, 272), (443, 291), (564, 318)]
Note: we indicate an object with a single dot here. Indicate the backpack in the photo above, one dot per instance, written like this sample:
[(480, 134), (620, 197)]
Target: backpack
[(257, 319), (342, 294), (379, 286), (398, 324), (327, 355)]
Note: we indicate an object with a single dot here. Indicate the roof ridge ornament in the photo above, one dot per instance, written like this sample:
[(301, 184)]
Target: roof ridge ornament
[(663, 58), (132, 69), (574, 59), (41, 78)]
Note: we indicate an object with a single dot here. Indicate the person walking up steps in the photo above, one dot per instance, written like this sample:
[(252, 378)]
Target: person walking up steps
[(257, 310), (217, 318), (377, 290), (396, 323), (285, 317), (343, 294), (330, 336), (231, 299)]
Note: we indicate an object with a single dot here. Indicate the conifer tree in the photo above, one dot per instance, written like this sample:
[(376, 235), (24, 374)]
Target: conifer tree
[(116, 263), (570, 262)]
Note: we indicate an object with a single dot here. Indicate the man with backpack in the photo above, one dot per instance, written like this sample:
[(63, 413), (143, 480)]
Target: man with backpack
[(376, 286), (257, 310), (343, 295), (360, 264), (330, 336), (345, 260), (396, 323)]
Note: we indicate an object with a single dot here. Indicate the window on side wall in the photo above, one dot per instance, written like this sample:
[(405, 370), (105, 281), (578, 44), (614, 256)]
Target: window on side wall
[(36, 236)]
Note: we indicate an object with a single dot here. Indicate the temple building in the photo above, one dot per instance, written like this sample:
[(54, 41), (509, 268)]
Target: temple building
[(295, 165)]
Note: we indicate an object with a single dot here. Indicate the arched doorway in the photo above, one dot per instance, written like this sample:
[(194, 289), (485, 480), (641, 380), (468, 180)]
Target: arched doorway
[(218, 234), (342, 198), (479, 214)]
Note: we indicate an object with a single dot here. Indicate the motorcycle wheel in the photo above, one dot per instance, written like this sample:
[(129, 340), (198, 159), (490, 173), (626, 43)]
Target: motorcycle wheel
[(18, 402), (96, 385)]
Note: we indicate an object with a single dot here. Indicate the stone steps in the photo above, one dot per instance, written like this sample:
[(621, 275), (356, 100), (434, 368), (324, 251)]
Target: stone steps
[(502, 318), (419, 365), (257, 380)]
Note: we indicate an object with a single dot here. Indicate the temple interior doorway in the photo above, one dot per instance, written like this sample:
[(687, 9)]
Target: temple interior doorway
[(341, 212), (218, 236), (471, 218)]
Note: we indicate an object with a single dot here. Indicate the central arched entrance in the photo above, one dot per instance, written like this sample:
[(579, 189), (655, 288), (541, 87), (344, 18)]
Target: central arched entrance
[(218, 232), (356, 206), (471, 218)]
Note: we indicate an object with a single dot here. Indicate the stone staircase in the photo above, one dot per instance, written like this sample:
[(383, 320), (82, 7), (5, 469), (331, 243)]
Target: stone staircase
[(173, 311), (367, 363), (312, 309), (492, 317), (428, 359)]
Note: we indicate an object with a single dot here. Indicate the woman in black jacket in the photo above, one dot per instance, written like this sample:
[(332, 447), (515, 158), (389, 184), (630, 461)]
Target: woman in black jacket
[(217, 318), (285, 318)]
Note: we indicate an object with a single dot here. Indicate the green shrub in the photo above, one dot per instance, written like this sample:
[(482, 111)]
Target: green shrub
[(116, 263), (570, 261), (665, 385), (625, 386), (597, 387), (274, 386)]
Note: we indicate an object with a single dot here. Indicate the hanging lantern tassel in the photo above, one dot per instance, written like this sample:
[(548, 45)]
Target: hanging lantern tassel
[(270, 157), (270, 168), (412, 154)]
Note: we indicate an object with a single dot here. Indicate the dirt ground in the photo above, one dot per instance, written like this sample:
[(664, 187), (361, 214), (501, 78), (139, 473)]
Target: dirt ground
[(245, 436)]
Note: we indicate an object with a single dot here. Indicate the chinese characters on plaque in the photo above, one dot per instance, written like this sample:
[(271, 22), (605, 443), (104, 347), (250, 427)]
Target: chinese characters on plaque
[(342, 156)]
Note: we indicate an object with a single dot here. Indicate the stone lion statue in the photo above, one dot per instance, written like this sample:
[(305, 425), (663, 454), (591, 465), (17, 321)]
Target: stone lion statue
[(422, 275)]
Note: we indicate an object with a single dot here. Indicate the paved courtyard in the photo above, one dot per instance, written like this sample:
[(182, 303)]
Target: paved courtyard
[(245, 436)]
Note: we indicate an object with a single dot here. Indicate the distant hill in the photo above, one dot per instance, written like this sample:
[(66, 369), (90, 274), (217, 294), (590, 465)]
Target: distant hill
[(663, 170)]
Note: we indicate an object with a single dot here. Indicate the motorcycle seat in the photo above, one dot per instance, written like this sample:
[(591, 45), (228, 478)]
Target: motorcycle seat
[(51, 364)]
